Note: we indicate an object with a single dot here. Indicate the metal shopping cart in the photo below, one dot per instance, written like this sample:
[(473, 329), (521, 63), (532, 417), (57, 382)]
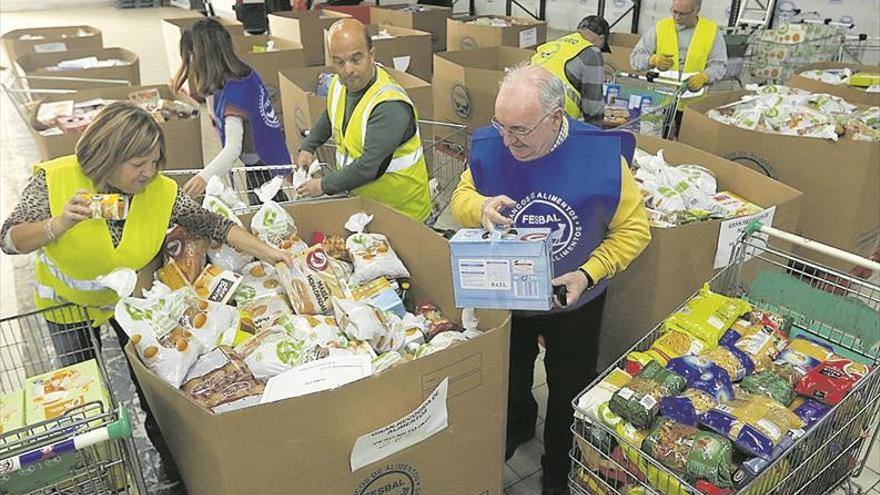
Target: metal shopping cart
[(87, 450), (773, 55), (822, 302), (642, 104)]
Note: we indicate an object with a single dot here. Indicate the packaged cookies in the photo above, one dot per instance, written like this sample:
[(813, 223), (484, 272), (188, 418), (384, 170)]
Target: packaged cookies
[(272, 223), (187, 251), (371, 254), (360, 321), (265, 311), (310, 282), (111, 206), (207, 321), (273, 351), (220, 378), (435, 322), (259, 280), (217, 284)]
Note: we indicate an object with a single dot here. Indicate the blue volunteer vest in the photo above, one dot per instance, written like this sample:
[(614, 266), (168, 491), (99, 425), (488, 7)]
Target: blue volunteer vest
[(574, 191), (250, 95)]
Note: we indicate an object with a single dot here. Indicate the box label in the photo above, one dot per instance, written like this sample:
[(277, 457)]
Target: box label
[(429, 418), (484, 274), (528, 38), (50, 47), (526, 288), (401, 63), (731, 230)]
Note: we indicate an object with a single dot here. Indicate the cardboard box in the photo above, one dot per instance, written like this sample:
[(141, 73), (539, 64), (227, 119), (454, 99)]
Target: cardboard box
[(306, 28), (360, 12), (12, 411), (304, 106), (409, 50), (52, 394), (626, 40), (512, 271), (35, 67), (54, 39), (680, 259), (462, 35), (286, 55), (618, 59), (183, 137), (303, 445), (840, 180), (173, 28), (852, 94), (430, 18), (467, 83)]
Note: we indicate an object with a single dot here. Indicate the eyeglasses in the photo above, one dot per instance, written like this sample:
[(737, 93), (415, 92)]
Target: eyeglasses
[(676, 13), (518, 132)]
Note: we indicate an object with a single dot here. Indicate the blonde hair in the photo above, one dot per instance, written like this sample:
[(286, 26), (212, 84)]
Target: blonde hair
[(120, 132)]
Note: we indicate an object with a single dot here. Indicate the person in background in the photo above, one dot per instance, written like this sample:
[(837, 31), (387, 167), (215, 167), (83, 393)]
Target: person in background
[(122, 151), (576, 59), (241, 109), (375, 127), (535, 167), (686, 42)]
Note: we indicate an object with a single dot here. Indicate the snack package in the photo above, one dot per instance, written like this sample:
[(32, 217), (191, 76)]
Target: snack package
[(698, 455), (187, 251), (148, 99), (441, 342), (386, 361), (832, 380), (221, 200), (800, 356), (601, 393), (707, 316), (310, 282), (708, 385), (259, 280), (53, 394), (371, 253), (217, 284), (360, 321), (737, 368), (207, 321), (334, 245), (171, 276), (273, 351), (111, 206), (219, 378), (639, 400), (436, 323), (769, 385), (380, 293), (235, 336), (761, 347), (415, 329), (319, 330), (755, 423), (266, 310), (272, 223), (12, 411)]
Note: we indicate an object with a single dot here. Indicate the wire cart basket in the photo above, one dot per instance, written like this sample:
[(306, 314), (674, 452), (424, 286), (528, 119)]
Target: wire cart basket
[(88, 449), (773, 55), (822, 302), (649, 101)]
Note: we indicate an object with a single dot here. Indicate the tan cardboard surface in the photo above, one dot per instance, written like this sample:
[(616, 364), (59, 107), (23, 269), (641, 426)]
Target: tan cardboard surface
[(173, 28), (680, 259), (840, 180), (306, 28), (854, 95), (409, 50), (467, 82), (431, 20), (183, 137), (626, 40), (303, 445), (36, 64), (619, 58), (16, 47), (460, 35)]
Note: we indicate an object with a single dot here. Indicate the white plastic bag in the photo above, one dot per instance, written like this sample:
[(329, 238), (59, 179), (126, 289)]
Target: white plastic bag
[(272, 223), (371, 254), (361, 321)]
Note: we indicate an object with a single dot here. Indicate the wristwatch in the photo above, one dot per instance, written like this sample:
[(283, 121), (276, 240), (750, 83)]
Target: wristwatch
[(590, 282)]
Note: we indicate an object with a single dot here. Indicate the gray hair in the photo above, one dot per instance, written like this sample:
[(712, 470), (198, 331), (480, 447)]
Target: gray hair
[(551, 91)]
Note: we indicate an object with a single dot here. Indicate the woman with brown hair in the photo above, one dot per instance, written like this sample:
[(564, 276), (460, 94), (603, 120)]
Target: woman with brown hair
[(241, 108)]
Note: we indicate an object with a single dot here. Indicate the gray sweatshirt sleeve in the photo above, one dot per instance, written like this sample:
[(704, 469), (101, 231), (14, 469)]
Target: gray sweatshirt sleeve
[(318, 135), (716, 66), (643, 50), (390, 124), (587, 73)]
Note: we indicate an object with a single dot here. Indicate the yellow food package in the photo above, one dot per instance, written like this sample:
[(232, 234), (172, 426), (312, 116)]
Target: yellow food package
[(707, 316), (56, 393), (112, 206), (245, 331), (673, 344), (11, 411), (171, 276)]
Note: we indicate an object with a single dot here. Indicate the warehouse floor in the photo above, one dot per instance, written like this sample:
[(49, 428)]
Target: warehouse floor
[(138, 30)]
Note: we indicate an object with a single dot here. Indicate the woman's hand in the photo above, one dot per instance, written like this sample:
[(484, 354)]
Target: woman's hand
[(76, 210), (195, 187), (244, 241), (273, 256)]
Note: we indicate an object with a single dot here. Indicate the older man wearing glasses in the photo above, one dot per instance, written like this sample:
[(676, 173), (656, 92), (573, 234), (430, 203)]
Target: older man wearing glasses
[(685, 42), (536, 167)]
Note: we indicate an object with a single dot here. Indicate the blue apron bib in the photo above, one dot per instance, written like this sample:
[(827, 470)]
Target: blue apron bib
[(575, 191)]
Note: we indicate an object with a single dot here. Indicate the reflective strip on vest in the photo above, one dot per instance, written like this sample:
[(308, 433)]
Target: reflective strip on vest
[(73, 283)]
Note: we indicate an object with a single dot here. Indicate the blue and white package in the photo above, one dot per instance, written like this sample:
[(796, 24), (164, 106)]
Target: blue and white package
[(509, 271)]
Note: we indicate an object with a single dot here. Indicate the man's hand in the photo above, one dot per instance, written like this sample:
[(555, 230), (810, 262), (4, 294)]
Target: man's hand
[(195, 186), (697, 81), (491, 216), (575, 282), (304, 159), (310, 188), (662, 62)]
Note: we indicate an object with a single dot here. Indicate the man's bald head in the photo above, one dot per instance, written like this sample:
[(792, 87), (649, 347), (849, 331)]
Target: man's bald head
[(351, 52), (349, 30)]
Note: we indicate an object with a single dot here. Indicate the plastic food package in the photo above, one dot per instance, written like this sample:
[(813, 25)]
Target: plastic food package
[(724, 357), (436, 323), (671, 344), (769, 385), (273, 351), (217, 284), (707, 316), (386, 361), (207, 321), (187, 251), (171, 276), (810, 411), (272, 223), (639, 400), (691, 452), (310, 282), (236, 336), (601, 393), (220, 377), (371, 253), (360, 321), (439, 343), (835, 76), (259, 280), (266, 310), (760, 347), (708, 385), (755, 423), (832, 380), (800, 356), (319, 330), (112, 206)]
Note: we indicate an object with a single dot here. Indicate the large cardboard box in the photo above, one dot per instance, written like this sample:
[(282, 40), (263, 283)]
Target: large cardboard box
[(306, 28), (680, 259), (408, 51), (360, 12), (183, 137), (36, 68), (303, 106), (461, 34), (302, 446), (840, 180), (618, 59), (50, 39), (852, 94), (173, 28), (428, 18), (467, 83), (286, 54), (627, 40)]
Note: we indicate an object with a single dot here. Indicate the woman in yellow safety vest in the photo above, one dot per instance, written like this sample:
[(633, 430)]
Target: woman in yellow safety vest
[(121, 152)]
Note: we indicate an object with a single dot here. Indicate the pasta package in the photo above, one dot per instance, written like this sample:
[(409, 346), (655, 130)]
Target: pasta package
[(769, 385), (707, 316), (708, 385), (113, 206), (761, 347), (696, 454), (800, 356), (310, 282), (756, 424), (832, 380), (639, 400), (737, 367), (602, 392)]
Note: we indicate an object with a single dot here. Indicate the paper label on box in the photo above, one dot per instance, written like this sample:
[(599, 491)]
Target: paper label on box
[(635, 101), (58, 46), (528, 38), (429, 418), (523, 267), (316, 376), (484, 274), (731, 230), (526, 287), (401, 63)]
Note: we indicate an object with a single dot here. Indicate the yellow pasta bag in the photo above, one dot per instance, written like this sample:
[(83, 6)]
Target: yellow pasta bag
[(707, 316)]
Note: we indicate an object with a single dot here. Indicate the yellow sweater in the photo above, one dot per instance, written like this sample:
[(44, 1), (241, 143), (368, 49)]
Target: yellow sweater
[(628, 233)]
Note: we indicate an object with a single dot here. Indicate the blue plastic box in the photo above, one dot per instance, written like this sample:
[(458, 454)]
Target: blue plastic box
[(512, 271)]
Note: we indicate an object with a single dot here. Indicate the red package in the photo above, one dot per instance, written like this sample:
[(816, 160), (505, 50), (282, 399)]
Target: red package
[(832, 380), (710, 489), (187, 251)]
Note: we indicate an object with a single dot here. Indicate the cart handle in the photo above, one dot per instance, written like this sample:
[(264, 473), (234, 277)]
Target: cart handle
[(756, 226)]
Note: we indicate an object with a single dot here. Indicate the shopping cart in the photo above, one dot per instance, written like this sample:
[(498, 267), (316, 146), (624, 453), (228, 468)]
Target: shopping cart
[(773, 55), (444, 144), (88, 450), (648, 100), (822, 302)]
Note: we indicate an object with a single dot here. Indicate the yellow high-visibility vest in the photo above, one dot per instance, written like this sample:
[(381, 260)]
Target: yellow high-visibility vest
[(699, 49), (553, 56)]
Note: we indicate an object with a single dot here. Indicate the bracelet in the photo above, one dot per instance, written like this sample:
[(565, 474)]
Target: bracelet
[(590, 282), (49, 233)]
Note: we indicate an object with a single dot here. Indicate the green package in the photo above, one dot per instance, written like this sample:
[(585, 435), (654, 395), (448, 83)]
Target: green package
[(769, 385), (639, 400), (696, 454)]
